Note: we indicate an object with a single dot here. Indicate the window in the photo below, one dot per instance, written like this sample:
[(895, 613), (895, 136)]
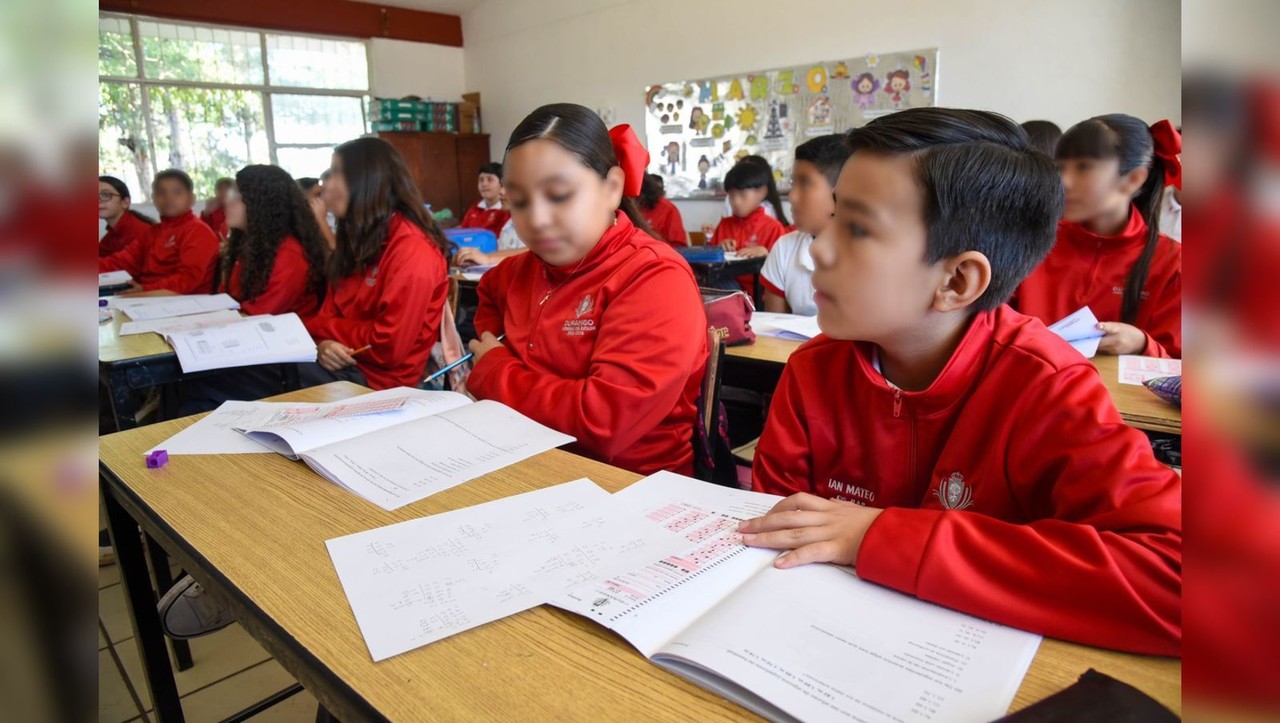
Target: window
[(210, 100)]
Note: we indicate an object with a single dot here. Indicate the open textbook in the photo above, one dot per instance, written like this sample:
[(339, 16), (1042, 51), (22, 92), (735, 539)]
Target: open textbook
[(809, 643), (147, 308), (1080, 330), (254, 340)]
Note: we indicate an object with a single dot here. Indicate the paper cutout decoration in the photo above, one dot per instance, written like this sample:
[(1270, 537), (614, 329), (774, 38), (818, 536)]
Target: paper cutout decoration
[(735, 90), (785, 83), (727, 145), (751, 140), (926, 78), (717, 111), (649, 96), (704, 92), (841, 71), (728, 122), (864, 90), (817, 79), (873, 60), (747, 117), (703, 166), (820, 111), (759, 87), (896, 83), (717, 130), (698, 120)]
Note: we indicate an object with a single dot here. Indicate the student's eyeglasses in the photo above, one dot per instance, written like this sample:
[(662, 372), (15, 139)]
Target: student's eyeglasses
[(107, 195)]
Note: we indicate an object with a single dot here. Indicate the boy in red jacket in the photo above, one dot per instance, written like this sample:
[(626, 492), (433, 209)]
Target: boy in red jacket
[(488, 212), (179, 254), (940, 442)]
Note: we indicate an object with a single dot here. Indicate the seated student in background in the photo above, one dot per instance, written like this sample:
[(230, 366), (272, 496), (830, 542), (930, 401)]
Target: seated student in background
[(773, 200), (787, 275), (179, 253), (388, 275), (943, 444), (1044, 136), (662, 215), (509, 244), (214, 213), (606, 338), (749, 231), (124, 225), (313, 188), (488, 212), (1110, 254)]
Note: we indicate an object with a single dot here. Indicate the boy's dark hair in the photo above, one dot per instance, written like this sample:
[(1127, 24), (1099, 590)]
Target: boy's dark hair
[(651, 191), (985, 188), (827, 153), (115, 183), (1128, 140), (1044, 135), (493, 169), (306, 183), (578, 130), (222, 183), (177, 175), (746, 175)]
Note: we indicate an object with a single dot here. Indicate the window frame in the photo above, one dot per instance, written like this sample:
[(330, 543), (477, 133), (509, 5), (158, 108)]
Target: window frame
[(265, 89)]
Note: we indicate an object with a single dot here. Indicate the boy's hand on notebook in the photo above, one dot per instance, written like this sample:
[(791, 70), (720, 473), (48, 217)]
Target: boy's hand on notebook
[(334, 355), (471, 257), (729, 244), (812, 529), (1121, 338), (752, 252), (485, 344)]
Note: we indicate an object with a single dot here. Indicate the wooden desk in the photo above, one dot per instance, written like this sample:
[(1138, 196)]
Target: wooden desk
[(130, 363), (760, 365), (252, 528)]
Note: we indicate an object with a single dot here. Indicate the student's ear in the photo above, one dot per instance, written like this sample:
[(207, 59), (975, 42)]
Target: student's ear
[(965, 277), (614, 181), (1132, 181)]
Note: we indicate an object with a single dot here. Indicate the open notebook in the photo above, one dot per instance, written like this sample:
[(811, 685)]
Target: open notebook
[(809, 643), (398, 446), (255, 340)]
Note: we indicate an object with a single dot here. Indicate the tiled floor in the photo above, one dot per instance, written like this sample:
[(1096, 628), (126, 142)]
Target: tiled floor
[(231, 671)]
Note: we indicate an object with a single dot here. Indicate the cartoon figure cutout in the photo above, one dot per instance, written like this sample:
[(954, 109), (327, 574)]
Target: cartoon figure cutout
[(864, 90), (897, 84), (672, 154), (704, 165), (698, 120)]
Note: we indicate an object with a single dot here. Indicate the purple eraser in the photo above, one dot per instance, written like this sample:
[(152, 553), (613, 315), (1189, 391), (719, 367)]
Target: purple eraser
[(157, 459), (102, 302)]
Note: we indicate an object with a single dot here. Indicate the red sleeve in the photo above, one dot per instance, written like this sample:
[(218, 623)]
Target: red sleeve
[(128, 258), (647, 346), (783, 465), (411, 274), (197, 251), (673, 226), (492, 298), (286, 286), (1164, 323), (716, 236), (1099, 563)]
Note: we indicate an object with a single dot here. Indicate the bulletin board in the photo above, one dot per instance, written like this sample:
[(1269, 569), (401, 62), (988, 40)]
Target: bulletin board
[(696, 130)]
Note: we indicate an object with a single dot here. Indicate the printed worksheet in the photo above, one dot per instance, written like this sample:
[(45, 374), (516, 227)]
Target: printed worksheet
[(182, 323), (1138, 369), (1080, 330), (146, 308), (259, 340)]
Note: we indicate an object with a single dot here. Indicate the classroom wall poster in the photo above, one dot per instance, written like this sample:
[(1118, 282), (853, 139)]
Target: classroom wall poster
[(696, 130)]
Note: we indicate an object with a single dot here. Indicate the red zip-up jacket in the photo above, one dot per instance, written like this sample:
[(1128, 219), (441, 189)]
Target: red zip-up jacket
[(756, 229), (128, 229), (288, 287), (216, 220), (665, 220), (179, 254), (394, 307), (611, 352), (1011, 488), (1085, 269), (492, 219)]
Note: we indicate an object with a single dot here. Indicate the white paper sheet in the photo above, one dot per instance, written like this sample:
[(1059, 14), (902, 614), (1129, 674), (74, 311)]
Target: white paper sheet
[(114, 278), (419, 581), (146, 308), (216, 434), (1080, 330), (1138, 369), (399, 465), (772, 323), (652, 602), (837, 648), (260, 340), (182, 323)]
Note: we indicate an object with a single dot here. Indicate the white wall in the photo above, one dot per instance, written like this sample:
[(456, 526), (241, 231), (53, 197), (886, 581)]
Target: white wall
[(399, 68), (1063, 60)]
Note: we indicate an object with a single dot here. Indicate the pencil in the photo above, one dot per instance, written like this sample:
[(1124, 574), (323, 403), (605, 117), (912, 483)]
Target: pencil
[(362, 349)]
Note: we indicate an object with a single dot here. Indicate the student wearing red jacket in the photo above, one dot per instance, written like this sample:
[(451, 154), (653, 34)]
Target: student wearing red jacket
[(750, 232), (488, 212), (606, 338), (1110, 255), (124, 225), (388, 274), (180, 252), (215, 211), (940, 442), (663, 216)]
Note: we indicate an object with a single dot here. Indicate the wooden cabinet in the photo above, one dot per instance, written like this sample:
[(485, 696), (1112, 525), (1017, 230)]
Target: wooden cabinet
[(444, 165)]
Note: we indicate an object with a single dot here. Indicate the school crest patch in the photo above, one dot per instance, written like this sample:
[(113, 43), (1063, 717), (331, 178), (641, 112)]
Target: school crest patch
[(953, 493)]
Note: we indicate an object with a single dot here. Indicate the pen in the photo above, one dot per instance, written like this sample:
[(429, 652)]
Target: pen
[(445, 369)]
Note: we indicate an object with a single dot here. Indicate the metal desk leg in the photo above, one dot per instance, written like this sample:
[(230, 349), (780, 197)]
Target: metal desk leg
[(141, 601)]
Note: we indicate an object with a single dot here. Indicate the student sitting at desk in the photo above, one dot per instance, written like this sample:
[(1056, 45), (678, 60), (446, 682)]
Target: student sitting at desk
[(124, 225), (509, 244), (488, 212), (662, 215), (606, 338), (180, 252), (942, 443), (787, 275), (388, 277)]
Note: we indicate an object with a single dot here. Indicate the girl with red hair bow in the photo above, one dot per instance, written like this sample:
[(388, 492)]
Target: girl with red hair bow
[(605, 333)]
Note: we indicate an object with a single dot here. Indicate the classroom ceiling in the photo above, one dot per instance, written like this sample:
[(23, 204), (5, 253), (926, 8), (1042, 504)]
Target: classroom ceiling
[(450, 7)]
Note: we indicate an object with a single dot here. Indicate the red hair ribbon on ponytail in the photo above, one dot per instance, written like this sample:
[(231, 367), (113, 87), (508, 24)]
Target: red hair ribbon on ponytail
[(632, 157), (1168, 145)]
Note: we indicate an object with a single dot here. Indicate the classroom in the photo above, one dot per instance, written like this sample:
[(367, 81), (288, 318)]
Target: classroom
[(492, 359)]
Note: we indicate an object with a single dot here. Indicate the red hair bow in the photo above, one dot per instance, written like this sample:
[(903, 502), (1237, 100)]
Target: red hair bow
[(1168, 145), (633, 157)]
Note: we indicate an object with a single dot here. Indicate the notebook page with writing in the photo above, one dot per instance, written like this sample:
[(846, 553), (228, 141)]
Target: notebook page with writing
[(260, 340), (651, 603)]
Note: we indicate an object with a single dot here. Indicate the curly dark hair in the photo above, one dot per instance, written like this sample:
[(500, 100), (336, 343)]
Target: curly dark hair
[(274, 208)]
